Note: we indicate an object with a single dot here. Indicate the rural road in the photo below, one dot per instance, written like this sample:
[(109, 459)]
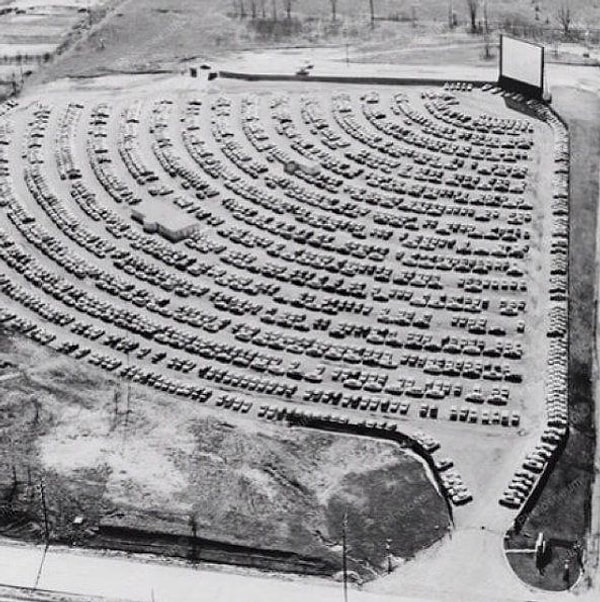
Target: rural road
[(434, 576), (119, 577)]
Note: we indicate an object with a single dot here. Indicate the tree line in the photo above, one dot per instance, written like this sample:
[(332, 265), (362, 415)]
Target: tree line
[(268, 9), (564, 15), (477, 12)]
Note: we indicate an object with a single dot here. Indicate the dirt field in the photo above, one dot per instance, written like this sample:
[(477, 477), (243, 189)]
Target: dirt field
[(165, 465)]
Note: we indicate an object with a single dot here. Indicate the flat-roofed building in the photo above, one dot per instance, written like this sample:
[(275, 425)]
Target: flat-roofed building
[(164, 220), (292, 166)]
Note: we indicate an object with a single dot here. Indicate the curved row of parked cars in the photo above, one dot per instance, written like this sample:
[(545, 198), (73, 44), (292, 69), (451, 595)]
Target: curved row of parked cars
[(194, 271), (543, 457)]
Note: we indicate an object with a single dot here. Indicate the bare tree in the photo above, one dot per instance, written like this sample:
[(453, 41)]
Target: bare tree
[(239, 9), (288, 4), (253, 9), (333, 9), (274, 9), (472, 6), (263, 8), (487, 48), (372, 11), (564, 14), (486, 27)]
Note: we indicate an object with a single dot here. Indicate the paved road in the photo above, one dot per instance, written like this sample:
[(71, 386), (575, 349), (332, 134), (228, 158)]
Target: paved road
[(483, 567), (119, 577)]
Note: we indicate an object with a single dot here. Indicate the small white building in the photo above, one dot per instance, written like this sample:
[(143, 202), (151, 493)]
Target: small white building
[(167, 221), (291, 167)]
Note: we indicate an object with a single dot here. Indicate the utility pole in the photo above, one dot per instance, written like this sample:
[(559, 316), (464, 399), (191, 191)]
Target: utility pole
[(30, 488), (44, 510), (345, 555), (194, 527), (46, 533), (128, 395), (128, 398), (116, 395)]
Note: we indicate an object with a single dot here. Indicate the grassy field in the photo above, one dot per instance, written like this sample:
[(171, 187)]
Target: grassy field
[(170, 464), (570, 483), (156, 34)]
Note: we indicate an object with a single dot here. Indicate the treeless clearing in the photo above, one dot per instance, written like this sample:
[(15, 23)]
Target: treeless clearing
[(165, 463)]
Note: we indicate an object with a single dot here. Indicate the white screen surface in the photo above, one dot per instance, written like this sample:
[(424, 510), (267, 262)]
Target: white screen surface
[(522, 61)]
